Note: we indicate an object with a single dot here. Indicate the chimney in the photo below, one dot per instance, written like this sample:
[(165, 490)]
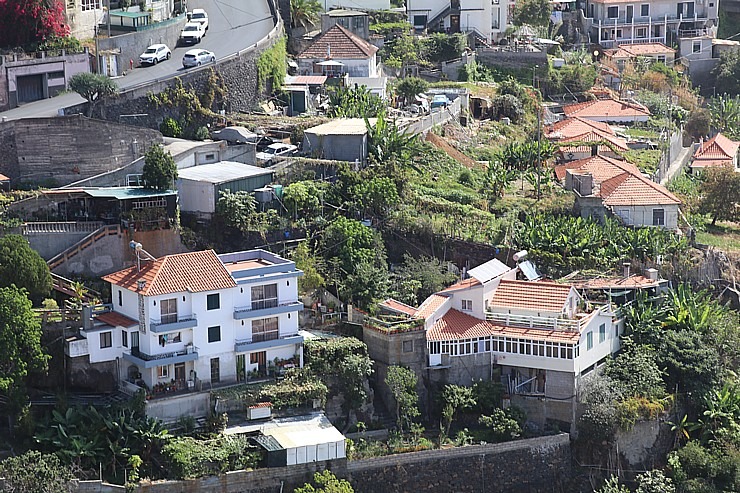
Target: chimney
[(651, 274), (594, 150), (585, 184), (626, 266)]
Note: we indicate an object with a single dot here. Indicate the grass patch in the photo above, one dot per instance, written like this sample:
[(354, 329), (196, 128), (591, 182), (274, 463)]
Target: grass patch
[(646, 160), (725, 236), (642, 133)]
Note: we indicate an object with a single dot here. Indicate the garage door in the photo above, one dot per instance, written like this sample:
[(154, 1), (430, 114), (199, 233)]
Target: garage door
[(30, 88)]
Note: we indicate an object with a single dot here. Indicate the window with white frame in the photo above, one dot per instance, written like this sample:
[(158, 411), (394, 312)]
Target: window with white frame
[(612, 12), (124, 338), (641, 32), (645, 10), (696, 47), (658, 217), (589, 341), (163, 371), (602, 332), (168, 310), (467, 305), (265, 329), (91, 5), (106, 340), (264, 296)]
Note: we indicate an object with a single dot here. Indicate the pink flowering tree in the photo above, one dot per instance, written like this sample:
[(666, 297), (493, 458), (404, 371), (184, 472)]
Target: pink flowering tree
[(29, 22)]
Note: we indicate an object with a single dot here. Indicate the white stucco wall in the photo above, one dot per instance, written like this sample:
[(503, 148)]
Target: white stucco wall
[(643, 215)]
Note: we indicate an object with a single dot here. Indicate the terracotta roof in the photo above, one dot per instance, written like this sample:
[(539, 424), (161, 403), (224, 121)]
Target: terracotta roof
[(628, 189), (467, 283), (594, 135), (711, 163), (339, 43), (115, 319), (637, 50), (456, 325), (194, 272), (605, 108), (576, 125), (430, 305), (301, 80), (531, 295), (260, 404), (601, 167), (718, 148), (397, 306)]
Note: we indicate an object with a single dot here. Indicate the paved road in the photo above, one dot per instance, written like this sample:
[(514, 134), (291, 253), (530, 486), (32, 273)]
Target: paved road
[(234, 25)]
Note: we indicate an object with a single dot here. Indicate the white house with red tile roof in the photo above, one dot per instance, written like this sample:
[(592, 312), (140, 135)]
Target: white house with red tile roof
[(338, 51), (605, 186), (656, 52), (608, 110), (540, 336), (196, 318), (719, 151)]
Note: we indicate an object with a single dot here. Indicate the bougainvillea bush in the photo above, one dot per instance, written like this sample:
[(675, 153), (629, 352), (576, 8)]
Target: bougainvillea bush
[(28, 22)]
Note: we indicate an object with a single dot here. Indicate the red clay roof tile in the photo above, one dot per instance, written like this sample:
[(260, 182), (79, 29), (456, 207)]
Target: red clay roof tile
[(115, 319), (605, 108), (339, 43), (531, 295)]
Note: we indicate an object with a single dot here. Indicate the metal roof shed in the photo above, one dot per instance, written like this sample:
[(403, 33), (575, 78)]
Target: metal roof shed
[(200, 186), (342, 139)]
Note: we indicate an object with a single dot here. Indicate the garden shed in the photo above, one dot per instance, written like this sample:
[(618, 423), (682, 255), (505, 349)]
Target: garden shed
[(199, 187), (300, 439)]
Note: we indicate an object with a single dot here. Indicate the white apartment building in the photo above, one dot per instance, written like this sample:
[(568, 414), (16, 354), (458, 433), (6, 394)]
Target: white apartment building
[(196, 318), (487, 19), (614, 22)]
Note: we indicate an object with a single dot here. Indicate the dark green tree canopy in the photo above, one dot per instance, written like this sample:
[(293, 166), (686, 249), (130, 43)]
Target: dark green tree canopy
[(93, 87), (410, 87), (160, 170), (532, 12), (34, 472), (20, 339), (22, 266)]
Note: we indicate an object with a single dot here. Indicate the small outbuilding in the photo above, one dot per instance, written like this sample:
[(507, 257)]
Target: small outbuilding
[(199, 187), (300, 440), (342, 139)]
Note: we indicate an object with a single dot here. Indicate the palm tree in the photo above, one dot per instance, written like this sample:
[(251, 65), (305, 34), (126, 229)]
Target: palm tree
[(725, 113), (304, 12)]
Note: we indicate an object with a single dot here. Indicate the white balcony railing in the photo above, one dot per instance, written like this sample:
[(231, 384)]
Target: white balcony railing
[(533, 322)]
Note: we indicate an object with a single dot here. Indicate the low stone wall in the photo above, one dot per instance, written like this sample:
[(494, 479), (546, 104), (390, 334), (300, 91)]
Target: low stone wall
[(533, 465), (511, 59)]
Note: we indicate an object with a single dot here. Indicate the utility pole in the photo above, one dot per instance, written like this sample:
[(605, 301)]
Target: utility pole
[(108, 18), (539, 149), (97, 49)]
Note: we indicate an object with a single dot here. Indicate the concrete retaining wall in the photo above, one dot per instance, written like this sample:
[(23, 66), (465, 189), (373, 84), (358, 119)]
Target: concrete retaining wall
[(132, 45), (533, 465)]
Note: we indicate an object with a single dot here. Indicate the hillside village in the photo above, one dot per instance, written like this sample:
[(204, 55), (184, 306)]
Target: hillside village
[(452, 244)]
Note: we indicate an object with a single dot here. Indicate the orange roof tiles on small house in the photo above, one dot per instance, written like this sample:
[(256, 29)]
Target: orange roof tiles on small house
[(466, 284), (115, 319), (717, 151), (194, 272), (531, 295), (570, 127), (605, 110), (631, 190), (430, 305), (398, 307), (640, 50), (339, 43), (600, 167), (456, 325)]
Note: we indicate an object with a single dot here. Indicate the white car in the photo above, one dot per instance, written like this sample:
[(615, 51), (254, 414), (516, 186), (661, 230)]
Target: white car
[(155, 54), (196, 58), (191, 34), (276, 149), (200, 16)]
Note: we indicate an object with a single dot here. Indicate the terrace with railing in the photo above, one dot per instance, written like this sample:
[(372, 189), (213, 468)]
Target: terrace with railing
[(392, 324)]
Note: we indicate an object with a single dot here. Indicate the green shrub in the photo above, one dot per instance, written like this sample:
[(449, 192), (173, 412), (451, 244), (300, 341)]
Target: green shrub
[(508, 106), (170, 128), (202, 133), (190, 458)]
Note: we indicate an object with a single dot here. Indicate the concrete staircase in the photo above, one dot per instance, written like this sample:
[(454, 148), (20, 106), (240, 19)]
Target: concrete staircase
[(80, 246)]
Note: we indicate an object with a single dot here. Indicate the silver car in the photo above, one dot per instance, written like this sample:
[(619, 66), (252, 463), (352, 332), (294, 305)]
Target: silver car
[(155, 54), (196, 58)]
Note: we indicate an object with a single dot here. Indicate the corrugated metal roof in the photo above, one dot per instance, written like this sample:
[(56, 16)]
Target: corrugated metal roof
[(221, 172), (490, 270), (342, 126)]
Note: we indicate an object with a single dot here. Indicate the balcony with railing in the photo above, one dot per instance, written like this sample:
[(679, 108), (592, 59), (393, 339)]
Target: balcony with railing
[(144, 360), (260, 342), (613, 43), (266, 308), (637, 20), (168, 323), (542, 323)]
